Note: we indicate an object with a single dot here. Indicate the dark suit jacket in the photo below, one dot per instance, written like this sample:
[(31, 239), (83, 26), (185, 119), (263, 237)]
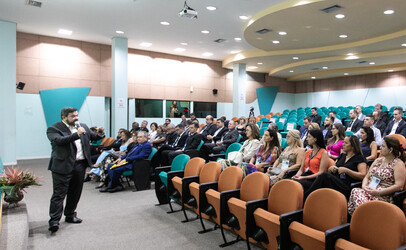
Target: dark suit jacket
[(193, 141), (230, 137), (328, 135), (182, 140), (380, 124), (401, 129), (170, 138), (208, 130), (64, 149), (316, 119), (219, 134), (138, 152), (357, 124)]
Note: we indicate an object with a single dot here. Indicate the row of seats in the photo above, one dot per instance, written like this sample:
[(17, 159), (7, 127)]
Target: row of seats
[(277, 217)]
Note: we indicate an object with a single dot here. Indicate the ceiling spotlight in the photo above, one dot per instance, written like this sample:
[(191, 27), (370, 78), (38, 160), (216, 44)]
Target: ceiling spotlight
[(313, 77), (282, 33), (165, 23), (65, 32), (207, 54), (211, 8), (237, 39), (235, 51), (372, 63), (275, 42), (119, 32), (252, 67), (243, 17), (179, 49), (403, 44), (351, 57), (390, 70), (324, 67), (184, 44), (342, 36), (295, 58), (145, 44), (291, 71), (388, 12), (350, 54), (340, 16), (260, 63), (205, 31), (188, 12), (346, 74)]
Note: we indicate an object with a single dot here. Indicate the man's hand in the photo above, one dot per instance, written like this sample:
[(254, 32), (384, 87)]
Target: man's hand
[(81, 131)]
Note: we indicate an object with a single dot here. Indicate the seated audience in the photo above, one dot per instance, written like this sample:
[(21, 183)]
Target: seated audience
[(228, 138), (290, 159), (355, 124), (219, 130), (326, 128), (315, 117), (242, 122), (167, 122), (369, 122), (360, 115), (349, 168), (141, 150), (397, 125), (162, 153), (159, 138), (368, 145), (153, 132), (135, 127), (386, 176), (252, 120), (333, 114), (335, 143), (143, 127), (193, 118), (208, 129), (305, 128), (183, 122), (274, 127), (383, 115), (379, 124), (312, 125), (316, 160)]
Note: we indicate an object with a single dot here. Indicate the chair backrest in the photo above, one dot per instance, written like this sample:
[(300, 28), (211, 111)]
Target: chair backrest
[(200, 145), (285, 196), (262, 130), (179, 162), (255, 186), (230, 179), (239, 138), (284, 143), (210, 172), (194, 166), (378, 225), (103, 141), (401, 139), (154, 150), (233, 147), (349, 133), (324, 209)]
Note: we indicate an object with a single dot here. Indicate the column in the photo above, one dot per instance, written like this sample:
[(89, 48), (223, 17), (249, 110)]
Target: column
[(119, 83), (8, 52), (239, 89)]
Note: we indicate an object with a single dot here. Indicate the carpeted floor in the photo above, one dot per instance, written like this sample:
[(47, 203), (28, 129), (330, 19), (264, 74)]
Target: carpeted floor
[(123, 220)]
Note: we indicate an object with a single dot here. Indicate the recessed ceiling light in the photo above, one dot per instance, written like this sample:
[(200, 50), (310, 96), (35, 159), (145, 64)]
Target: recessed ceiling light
[(340, 16), (351, 57), (283, 33), (291, 71), (275, 42), (145, 44), (388, 12), (237, 39), (243, 17), (252, 67), (207, 54), (260, 63), (324, 67), (342, 36), (313, 77), (390, 70), (184, 44), (65, 32), (165, 23), (211, 8), (350, 54), (346, 74), (235, 51), (205, 31), (404, 44), (179, 49), (295, 58), (372, 63), (119, 32)]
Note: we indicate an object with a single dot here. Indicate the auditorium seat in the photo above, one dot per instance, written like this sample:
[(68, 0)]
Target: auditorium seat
[(374, 225), (324, 209), (233, 147), (263, 215)]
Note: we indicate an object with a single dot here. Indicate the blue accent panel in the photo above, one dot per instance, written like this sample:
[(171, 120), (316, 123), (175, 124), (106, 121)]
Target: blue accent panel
[(53, 100), (1, 166), (266, 98)]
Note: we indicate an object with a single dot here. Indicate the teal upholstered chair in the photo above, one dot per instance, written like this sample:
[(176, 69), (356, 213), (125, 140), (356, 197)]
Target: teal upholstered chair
[(284, 143), (178, 163), (233, 147)]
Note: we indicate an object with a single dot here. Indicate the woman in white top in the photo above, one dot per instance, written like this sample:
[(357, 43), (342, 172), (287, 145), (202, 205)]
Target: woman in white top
[(152, 133)]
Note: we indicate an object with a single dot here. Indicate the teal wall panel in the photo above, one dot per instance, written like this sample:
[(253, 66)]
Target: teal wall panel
[(53, 100), (266, 98)]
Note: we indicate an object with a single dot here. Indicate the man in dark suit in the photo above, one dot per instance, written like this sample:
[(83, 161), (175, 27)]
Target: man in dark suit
[(177, 144), (326, 128), (212, 139), (315, 117), (141, 150), (208, 129), (379, 123), (355, 124), (228, 138), (383, 115), (191, 144), (70, 157), (397, 125)]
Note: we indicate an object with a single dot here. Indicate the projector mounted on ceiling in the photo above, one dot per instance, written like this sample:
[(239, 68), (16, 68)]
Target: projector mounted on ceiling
[(188, 12)]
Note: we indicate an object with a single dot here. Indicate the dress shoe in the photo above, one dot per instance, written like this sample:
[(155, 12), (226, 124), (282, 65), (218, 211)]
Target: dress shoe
[(53, 227), (116, 189), (99, 186), (73, 219), (87, 178), (103, 189)]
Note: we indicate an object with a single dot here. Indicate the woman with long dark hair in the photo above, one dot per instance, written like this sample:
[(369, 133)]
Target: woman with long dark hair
[(335, 143), (368, 144)]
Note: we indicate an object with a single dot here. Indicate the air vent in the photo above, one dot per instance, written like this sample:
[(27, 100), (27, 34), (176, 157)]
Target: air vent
[(263, 31), (220, 40), (315, 69), (361, 62), (332, 8)]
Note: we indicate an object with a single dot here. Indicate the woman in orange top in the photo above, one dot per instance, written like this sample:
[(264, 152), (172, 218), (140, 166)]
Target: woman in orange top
[(315, 162)]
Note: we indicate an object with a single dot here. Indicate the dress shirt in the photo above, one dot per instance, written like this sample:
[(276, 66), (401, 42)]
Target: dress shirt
[(215, 133), (395, 126), (78, 143)]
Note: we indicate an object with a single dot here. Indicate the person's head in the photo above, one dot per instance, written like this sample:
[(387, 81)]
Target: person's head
[(153, 126), (134, 136), (144, 124), (125, 135), (351, 144), (332, 113), (69, 115), (397, 114), (353, 114), (192, 116), (378, 107), (93, 129), (135, 125), (367, 135), (167, 121), (160, 130), (369, 120), (188, 123), (220, 123), (252, 120), (358, 108), (119, 132), (271, 138), (223, 117), (376, 115), (242, 120), (174, 103), (338, 131), (142, 136), (327, 121), (273, 126), (209, 119), (307, 121), (170, 128), (392, 147), (183, 117), (231, 125), (194, 127), (180, 129), (315, 138), (293, 138), (314, 111), (314, 125), (252, 131)]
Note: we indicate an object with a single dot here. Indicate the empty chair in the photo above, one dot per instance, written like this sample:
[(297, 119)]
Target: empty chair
[(192, 169), (190, 187), (263, 216), (233, 208), (324, 209), (374, 225)]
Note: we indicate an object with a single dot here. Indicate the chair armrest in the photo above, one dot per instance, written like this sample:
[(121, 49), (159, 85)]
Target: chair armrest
[(398, 198), (357, 184), (215, 156), (172, 174), (224, 197), (285, 220), (185, 186), (251, 206), (160, 169), (332, 235), (202, 193)]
